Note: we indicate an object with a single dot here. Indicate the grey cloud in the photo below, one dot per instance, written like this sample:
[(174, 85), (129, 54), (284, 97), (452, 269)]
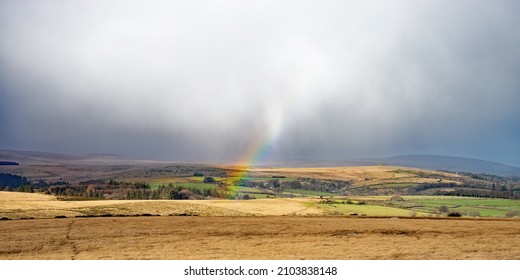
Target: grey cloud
[(205, 80)]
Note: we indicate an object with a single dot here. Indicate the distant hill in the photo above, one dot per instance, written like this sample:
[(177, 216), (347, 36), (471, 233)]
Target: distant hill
[(33, 157), (46, 158), (447, 163), (432, 162)]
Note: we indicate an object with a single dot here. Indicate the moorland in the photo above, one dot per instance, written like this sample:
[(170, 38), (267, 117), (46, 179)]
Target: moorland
[(97, 207)]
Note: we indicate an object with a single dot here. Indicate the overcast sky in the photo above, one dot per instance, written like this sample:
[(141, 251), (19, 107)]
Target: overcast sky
[(206, 80)]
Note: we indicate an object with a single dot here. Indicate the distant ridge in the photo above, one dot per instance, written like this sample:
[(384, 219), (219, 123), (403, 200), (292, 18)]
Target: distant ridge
[(104, 155), (447, 163), (432, 162), (34, 157), (48, 158)]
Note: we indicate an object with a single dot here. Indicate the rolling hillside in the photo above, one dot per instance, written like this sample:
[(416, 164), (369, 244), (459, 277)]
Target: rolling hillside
[(431, 162), (449, 163)]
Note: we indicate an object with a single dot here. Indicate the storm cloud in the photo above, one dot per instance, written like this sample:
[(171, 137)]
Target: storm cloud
[(205, 80)]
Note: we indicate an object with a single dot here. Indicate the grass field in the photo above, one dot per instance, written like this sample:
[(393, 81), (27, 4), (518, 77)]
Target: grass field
[(377, 176), (258, 238), (369, 210), (423, 206), (195, 185), (297, 228), (300, 192), (485, 207), (311, 225), (361, 175), (15, 205)]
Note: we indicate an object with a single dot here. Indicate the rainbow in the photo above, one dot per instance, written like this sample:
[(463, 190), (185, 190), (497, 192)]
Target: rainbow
[(261, 147)]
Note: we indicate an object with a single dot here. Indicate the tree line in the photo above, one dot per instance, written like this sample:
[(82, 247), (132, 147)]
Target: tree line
[(111, 189)]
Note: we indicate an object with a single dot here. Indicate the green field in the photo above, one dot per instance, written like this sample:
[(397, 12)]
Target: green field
[(231, 183), (419, 206), (301, 192), (264, 179), (485, 207), (374, 205), (392, 185), (432, 205), (201, 178), (194, 185)]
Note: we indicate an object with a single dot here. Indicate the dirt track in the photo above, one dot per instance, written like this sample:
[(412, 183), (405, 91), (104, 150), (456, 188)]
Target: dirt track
[(258, 238)]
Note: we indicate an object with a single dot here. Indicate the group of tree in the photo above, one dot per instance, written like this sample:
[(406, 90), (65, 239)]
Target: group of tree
[(111, 189), (505, 189), (509, 194), (13, 181), (185, 170), (107, 190), (137, 190), (311, 184), (8, 163), (277, 185), (172, 191)]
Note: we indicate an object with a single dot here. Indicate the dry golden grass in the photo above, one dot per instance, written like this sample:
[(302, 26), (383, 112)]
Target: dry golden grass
[(265, 207), (353, 173), (11, 197), (258, 238), (229, 234), (26, 205), (360, 175)]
